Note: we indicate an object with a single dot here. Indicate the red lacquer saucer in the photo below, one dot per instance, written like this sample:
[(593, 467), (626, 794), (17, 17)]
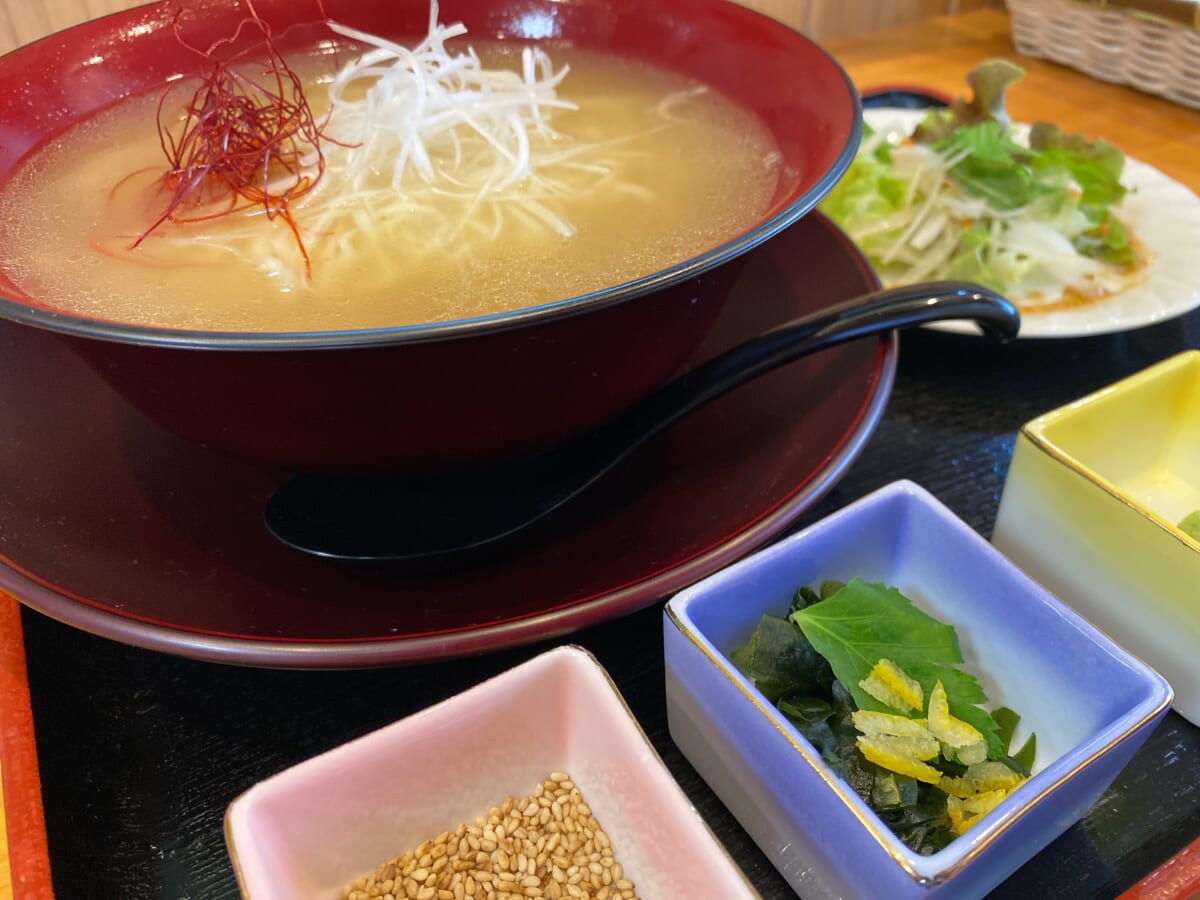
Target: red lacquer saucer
[(114, 526)]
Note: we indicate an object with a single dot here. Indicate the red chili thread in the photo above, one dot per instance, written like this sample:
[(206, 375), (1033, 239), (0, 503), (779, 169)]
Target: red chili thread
[(243, 140)]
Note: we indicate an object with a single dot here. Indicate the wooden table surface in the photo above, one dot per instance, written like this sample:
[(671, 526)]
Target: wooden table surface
[(938, 53)]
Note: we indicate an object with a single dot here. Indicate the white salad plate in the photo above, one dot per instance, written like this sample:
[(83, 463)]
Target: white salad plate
[(1159, 211)]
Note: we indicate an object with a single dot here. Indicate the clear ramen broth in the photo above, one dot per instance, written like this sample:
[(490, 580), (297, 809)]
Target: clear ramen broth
[(670, 170)]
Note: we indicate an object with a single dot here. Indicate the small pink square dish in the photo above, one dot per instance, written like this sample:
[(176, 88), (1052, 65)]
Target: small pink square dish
[(310, 830)]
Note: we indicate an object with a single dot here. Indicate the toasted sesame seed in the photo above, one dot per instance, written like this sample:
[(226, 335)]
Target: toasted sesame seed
[(547, 845)]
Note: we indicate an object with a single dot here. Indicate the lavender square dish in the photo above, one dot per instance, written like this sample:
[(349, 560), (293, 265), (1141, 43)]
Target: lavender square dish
[(1090, 703)]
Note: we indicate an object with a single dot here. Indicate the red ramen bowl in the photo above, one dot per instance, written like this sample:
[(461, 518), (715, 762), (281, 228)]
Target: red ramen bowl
[(447, 393)]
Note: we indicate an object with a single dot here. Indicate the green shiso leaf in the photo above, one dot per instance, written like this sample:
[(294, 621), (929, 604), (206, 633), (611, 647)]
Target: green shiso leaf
[(863, 623)]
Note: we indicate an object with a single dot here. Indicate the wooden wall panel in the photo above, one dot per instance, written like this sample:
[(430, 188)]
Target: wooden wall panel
[(22, 21), (795, 13), (830, 19), (824, 19)]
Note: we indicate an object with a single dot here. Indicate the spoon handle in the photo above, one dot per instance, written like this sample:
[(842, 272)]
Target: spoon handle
[(900, 307)]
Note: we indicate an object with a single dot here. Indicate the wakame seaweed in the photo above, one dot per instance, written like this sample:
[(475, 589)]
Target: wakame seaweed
[(785, 665)]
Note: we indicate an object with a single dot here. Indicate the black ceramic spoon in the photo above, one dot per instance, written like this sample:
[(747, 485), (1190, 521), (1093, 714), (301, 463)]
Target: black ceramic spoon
[(389, 518)]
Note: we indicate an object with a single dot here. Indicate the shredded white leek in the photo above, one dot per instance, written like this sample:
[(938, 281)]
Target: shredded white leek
[(429, 146)]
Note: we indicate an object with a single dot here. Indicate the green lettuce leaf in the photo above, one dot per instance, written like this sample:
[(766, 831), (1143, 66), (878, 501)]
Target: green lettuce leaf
[(970, 263), (995, 167), (869, 191), (988, 81), (911, 230), (1095, 165), (1107, 240)]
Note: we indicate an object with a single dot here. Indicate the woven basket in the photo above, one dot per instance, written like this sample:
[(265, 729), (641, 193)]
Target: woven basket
[(1112, 44)]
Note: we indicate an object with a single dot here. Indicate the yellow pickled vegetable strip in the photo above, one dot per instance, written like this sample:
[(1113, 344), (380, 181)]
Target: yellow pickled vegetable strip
[(964, 813), (981, 778), (923, 748), (946, 727), (891, 685), (879, 753), (904, 737), (869, 722), (970, 754)]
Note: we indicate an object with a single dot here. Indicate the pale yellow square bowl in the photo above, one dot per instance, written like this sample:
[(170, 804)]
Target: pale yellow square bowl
[(1092, 507)]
